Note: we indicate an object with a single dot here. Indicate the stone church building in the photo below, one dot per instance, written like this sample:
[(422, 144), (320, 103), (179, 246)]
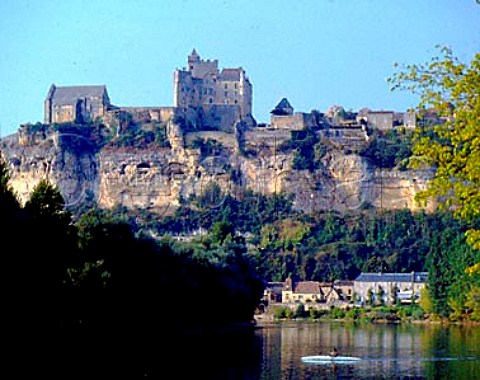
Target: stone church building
[(76, 104)]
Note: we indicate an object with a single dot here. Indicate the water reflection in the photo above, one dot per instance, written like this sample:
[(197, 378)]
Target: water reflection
[(267, 353), (388, 351)]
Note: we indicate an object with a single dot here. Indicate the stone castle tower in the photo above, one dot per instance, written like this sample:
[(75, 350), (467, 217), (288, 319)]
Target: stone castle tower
[(209, 98)]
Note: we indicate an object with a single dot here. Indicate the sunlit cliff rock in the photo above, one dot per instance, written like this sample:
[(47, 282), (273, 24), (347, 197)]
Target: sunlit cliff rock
[(158, 178)]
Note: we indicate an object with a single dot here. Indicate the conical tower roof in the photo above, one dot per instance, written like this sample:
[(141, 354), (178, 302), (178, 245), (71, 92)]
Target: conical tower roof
[(283, 108)]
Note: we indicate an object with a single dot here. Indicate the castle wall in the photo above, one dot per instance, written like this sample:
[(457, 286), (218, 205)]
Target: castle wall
[(246, 91), (227, 139), (221, 117), (295, 122), (149, 114), (271, 139), (63, 114), (382, 120), (184, 90)]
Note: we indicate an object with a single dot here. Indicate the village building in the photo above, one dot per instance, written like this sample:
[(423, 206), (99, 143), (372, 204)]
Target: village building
[(302, 292), (366, 289), (388, 288)]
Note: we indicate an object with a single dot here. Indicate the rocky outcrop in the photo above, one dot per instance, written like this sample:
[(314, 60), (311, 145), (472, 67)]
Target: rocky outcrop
[(158, 178)]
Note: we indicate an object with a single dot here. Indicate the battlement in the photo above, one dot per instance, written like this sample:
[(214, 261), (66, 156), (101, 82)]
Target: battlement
[(212, 99), (209, 98)]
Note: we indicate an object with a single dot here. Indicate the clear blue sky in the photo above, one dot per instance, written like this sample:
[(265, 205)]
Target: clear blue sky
[(316, 53)]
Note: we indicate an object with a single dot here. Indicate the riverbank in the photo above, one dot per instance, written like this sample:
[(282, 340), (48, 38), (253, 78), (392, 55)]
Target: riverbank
[(411, 314)]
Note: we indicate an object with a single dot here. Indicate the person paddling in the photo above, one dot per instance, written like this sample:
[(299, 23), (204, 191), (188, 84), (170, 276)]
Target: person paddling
[(334, 352)]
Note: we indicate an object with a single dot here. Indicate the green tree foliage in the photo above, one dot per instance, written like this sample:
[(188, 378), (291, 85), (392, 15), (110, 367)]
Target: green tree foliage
[(425, 301), (127, 273), (249, 211), (447, 259), (473, 302), (388, 150), (54, 244), (308, 148), (208, 147), (221, 230), (98, 276), (328, 247), (46, 202), (452, 147), (8, 200)]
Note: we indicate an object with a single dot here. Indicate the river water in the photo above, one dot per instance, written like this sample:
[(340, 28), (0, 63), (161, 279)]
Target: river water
[(387, 351), (272, 352), (394, 351)]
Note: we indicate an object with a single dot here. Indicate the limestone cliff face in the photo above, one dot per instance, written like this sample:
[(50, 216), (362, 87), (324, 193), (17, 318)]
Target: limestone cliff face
[(157, 178)]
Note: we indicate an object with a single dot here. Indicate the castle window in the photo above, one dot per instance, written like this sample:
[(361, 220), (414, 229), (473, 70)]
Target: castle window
[(236, 101), (210, 100), (236, 85), (226, 93), (226, 85)]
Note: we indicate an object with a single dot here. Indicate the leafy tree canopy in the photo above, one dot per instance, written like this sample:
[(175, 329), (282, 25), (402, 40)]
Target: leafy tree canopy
[(452, 147)]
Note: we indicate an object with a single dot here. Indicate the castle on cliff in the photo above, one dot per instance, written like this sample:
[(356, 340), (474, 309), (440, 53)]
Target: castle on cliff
[(204, 98)]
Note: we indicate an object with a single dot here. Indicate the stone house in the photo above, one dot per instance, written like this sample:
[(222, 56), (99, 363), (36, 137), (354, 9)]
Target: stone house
[(344, 288), (75, 103), (273, 292), (387, 120), (382, 120), (387, 288), (284, 117), (315, 292), (330, 293), (302, 291)]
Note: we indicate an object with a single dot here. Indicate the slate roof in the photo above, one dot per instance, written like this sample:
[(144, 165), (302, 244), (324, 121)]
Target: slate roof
[(392, 277), (283, 107), (230, 74), (70, 94)]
